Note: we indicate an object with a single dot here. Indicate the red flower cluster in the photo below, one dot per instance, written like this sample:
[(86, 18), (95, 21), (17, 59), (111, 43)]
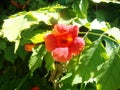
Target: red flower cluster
[(64, 42)]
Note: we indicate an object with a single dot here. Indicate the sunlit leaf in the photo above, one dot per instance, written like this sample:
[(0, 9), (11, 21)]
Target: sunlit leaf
[(108, 76), (52, 8), (38, 38), (36, 58), (45, 17), (107, 1), (12, 27), (99, 25), (90, 59), (114, 32)]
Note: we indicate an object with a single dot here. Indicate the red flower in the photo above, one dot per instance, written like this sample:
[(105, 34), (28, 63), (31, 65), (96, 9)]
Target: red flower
[(64, 42), (28, 47), (35, 88)]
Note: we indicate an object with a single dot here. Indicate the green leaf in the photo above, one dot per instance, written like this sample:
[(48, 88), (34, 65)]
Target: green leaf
[(108, 75), (22, 53), (69, 81), (27, 37), (83, 7), (52, 8), (1, 33), (67, 14), (38, 38), (9, 53), (80, 8), (45, 16), (107, 1), (2, 44), (22, 21), (12, 27), (19, 22), (100, 14), (114, 32), (76, 9), (67, 76), (91, 58), (68, 87), (50, 65), (102, 25), (109, 46), (72, 77), (37, 58)]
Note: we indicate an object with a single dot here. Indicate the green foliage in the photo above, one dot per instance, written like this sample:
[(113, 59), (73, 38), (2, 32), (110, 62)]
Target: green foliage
[(36, 58), (106, 76), (80, 8), (50, 65), (90, 59), (24, 21), (96, 68)]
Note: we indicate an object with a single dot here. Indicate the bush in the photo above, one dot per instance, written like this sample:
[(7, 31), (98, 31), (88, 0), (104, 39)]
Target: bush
[(28, 64)]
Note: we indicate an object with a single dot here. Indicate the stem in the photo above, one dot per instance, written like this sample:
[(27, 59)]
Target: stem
[(82, 86), (96, 34), (56, 74), (22, 82)]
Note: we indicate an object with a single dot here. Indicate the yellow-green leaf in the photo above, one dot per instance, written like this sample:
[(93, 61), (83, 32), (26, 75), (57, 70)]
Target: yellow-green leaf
[(38, 38)]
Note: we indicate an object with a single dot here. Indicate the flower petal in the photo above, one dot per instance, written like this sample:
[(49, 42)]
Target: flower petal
[(50, 42), (62, 54), (77, 46), (60, 29), (73, 30)]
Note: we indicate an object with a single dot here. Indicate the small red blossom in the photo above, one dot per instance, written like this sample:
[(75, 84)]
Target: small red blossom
[(64, 42), (35, 88), (28, 47)]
